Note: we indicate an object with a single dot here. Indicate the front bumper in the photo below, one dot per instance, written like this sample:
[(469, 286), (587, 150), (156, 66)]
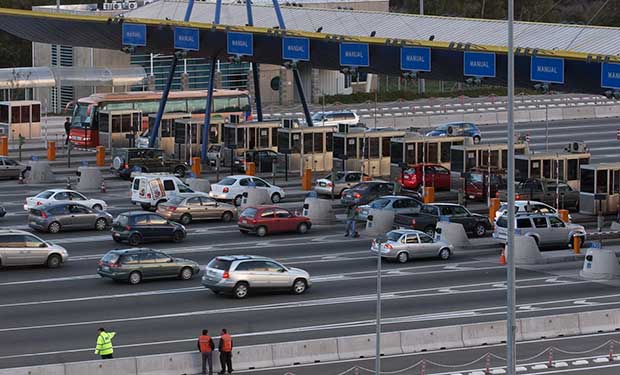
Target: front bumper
[(37, 226)]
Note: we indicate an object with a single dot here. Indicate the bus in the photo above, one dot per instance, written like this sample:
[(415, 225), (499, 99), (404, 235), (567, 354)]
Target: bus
[(86, 123)]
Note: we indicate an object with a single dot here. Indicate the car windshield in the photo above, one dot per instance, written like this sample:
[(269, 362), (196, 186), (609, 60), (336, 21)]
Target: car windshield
[(45, 194), (175, 200), (379, 203), (249, 212), (220, 264), (502, 222), (475, 177), (110, 258), (317, 116), (227, 181), (394, 236), (122, 220), (360, 187), (339, 175), (443, 127)]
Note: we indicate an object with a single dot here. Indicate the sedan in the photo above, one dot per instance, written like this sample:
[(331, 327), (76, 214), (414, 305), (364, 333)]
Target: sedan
[(232, 188), (365, 192), (269, 219), (343, 181), (136, 227), (135, 265), (396, 203), (196, 207), (405, 244), (60, 216), (63, 196), (10, 168), (463, 129)]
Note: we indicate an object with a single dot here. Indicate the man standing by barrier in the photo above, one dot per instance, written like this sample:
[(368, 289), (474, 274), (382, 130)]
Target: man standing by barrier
[(351, 221), (104, 344), (67, 130), (225, 348), (206, 346)]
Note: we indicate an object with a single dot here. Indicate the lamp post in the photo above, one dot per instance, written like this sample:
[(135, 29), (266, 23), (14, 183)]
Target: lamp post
[(379, 240)]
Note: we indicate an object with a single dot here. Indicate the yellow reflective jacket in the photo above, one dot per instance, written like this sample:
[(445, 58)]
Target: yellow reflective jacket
[(104, 343)]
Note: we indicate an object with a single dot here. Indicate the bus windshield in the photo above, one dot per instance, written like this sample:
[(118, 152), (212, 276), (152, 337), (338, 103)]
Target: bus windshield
[(80, 116)]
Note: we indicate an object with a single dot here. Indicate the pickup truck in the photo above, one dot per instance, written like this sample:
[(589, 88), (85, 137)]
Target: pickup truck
[(429, 215), (545, 191)]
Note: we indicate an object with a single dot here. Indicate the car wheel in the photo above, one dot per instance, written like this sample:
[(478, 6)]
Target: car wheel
[(402, 257), (100, 224), (444, 254), (54, 227), (276, 198), (299, 286), (341, 192), (476, 140), (180, 171), (178, 236), (430, 231), (145, 206), (261, 231), (302, 228), (97, 207), (238, 200), (186, 219), (480, 230), (135, 278), (134, 239), (227, 216), (53, 261), (240, 291), (186, 273)]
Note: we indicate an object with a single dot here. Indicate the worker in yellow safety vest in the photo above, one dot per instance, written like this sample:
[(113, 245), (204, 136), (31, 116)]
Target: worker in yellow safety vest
[(104, 344)]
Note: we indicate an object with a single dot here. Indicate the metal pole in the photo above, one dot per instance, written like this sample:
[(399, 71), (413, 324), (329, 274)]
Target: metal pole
[(489, 178), (378, 333), (375, 109), (422, 82), (510, 282), (557, 182), (207, 120), (546, 127), (302, 97), (255, 68)]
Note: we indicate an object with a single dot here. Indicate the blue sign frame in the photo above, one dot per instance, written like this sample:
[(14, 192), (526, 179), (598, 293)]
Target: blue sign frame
[(547, 69), (479, 64), (295, 49), (354, 54), (415, 59), (610, 75), (241, 44), (134, 34), (187, 38)]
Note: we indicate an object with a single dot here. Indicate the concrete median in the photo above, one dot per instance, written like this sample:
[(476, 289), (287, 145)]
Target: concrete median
[(582, 112), (122, 366), (485, 333), (424, 339), (549, 326), (35, 370), (90, 178), (527, 251), (309, 351), (165, 364), (452, 233), (251, 357), (606, 111), (365, 345), (599, 321)]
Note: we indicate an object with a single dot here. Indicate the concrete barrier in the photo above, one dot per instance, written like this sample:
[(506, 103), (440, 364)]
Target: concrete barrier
[(252, 357), (255, 197), (549, 326), (615, 225), (319, 211), (309, 351), (527, 251), (607, 111), (538, 115), (600, 264), (522, 116), (581, 112), (381, 223), (199, 184), (452, 233), (58, 369), (365, 345), (165, 364), (90, 178), (121, 366), (40, 172), (424, 339), (599, 321), (484, 333)]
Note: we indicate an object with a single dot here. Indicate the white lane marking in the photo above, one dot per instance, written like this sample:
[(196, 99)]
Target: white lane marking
[(584, 302), (68, 278)]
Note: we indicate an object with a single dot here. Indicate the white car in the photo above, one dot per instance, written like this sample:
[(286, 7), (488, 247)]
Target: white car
[(63, 196), (334, 118), (231, 188), (523, 206)]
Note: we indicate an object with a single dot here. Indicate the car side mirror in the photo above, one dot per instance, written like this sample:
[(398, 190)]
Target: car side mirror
[(170, 260), (282, 270), (43, 244)]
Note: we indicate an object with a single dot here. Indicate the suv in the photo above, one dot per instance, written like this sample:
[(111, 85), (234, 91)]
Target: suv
[(237, 274), (547, 230), (344, 180), (147, 160), (334, 118), (21, 248)]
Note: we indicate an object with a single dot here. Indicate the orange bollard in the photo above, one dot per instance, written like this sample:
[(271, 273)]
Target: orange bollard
[(306, 180), (4, 145), (51, 150), (493, 207), (563, 215), (196, 166), (576, 244), (502, 257), (250, 168), (429, 194), (100, 156)]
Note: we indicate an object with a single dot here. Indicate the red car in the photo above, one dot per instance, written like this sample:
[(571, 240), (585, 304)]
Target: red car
[(271, 219), (435, 175)]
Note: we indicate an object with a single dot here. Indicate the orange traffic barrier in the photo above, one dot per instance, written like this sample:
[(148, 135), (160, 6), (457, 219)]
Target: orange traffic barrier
[(502, 257), (563, 215), (576, 244), (429, 194), (100, 156), (51, 150), (250, 168), (493, 207), (366, 178), (306, 180), (4, 146), (196, 166)]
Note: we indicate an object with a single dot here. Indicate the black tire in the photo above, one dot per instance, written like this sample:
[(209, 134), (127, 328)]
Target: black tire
[(145, 206), (186, 273), (180, 170), (477, 140), (402, 257), (444, 254), (54, 227), (186, 219), (276, 198), (303, 228), (299, 286), (261, 231), (227, 217), (178, 236), (480, 230), (101, 224), (238, 200), (134, 239), (241, 290), (53, 261), (135, 278), (430, 231), (97, 207)]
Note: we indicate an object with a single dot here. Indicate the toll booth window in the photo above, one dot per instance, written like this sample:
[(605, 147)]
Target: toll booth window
[(307, 143), (25, 113), (125, 123), (351, 148), (410, 153), (445, 152), (601, 182), (274, 136), (396, 152), (244, 103), (374, 147), (283, 141), (229, 135), (546, 168), (213, 134), (495, 158), (263, 138), (385, 147), (116, 124), (582, 162), (616, 187), (572, 169), (240, 138), (329, 141), (196, 105), (4, 113), (518, 151), (471, 160), (338, 147), (432, 152), (194, 133), (15, 115), (104, 124), (136, 124), (318, 142), (505, 158), (557, 164), (587, 181), (456, 160), (535, 168), (296, 143), (252, 138), (36, 112)]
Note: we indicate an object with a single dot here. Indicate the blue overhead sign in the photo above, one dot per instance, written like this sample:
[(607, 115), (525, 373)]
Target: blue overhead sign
[(479, 64), (354, 54), (610, 75), (547, 69), (296, 49), (186, 38), (240, 44), (134, 34), (415, 58)]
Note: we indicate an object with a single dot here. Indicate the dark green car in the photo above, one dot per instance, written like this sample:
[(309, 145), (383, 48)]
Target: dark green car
[(135, 265)]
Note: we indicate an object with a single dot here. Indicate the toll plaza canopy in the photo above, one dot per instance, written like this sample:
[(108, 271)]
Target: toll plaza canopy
[(11, 78), (561, 57)]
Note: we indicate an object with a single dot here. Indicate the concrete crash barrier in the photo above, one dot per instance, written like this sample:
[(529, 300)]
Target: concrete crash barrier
[(252, 357), (452, 233), (199, 184), (379, 222), (486, 333), (319, 211), (35, 370), (581, 112), (615, 225), (599, 321), (40, 172), (424, 339), (600, 264), (102, 367), (605, 111), (254, 197), (309, 351), (164, 364), (365, 345), (90, 178), (549, 326), (527, 251)]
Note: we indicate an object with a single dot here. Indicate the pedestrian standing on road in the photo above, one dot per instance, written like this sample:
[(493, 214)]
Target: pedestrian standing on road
[(104, 344), (225, 348), (351, 213), (67, 130), (206, 346)]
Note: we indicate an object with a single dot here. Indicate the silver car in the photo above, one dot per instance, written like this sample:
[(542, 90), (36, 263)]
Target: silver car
[(238, 274), (398, 204), (547, 230), (65, 216), (404, 244), (21, 248), (10, 168), (344, 180)]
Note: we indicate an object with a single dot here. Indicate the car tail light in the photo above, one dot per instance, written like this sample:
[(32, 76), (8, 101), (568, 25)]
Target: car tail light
[(412, 221), (225, 275), (254, 221), (126, 166), (114, 265), (39, 203), (518, 197), (330, 184), (148, 195), (43, 215), (171, 208), (357, 195), (388, 246), (127, 227), (226, 190)]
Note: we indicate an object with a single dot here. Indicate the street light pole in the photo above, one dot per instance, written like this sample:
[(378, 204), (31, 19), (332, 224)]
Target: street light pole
[(546, 127), (378, 333), (422, 83)]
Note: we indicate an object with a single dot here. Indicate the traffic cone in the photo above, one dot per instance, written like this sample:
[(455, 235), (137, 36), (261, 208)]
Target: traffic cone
[(103, 189), (502, 258)]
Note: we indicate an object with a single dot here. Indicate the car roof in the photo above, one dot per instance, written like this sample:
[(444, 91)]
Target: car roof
[(240, 176), (233, 258), (132, 250), (408, 231), (60, 190), (446, 204)]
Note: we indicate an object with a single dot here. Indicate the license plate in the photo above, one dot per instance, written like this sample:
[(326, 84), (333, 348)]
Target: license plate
[(105, 268), (77, 138), (322, 184)]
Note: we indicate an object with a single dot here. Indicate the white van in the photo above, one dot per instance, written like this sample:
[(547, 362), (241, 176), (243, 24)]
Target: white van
[(150, 189), (333, 118)]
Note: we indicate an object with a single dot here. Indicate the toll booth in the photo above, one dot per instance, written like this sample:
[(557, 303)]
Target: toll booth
[(247, 136), (307, 147), (20, 117), (600, 188), (187, 137), (415, 148), (165, 138), (546, 165), (118, 128), (364, 149)]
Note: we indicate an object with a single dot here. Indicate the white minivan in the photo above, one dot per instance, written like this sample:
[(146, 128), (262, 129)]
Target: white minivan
[(333, 118), (149, 190)]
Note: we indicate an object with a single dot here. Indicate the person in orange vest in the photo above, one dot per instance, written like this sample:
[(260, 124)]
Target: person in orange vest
[(225, 348), (206, 346)]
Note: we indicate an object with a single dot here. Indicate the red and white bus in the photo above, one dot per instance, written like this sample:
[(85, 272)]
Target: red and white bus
[(85, 121)]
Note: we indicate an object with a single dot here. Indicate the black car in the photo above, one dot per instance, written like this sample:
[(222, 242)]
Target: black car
[(147, 160), (366, 192), (136, 227)]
